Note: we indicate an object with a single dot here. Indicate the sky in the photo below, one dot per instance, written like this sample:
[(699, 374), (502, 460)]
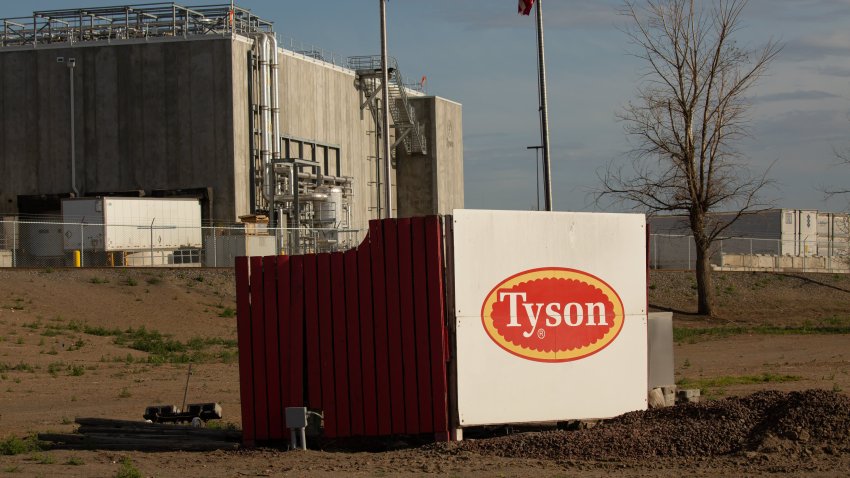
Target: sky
[(482, 54)]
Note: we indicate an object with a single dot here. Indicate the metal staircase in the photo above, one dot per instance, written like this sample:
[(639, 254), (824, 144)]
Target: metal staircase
[(408, 131)]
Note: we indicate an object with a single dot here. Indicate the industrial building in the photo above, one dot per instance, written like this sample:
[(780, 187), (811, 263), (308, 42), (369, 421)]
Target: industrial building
[(169, 101), (768, 239)]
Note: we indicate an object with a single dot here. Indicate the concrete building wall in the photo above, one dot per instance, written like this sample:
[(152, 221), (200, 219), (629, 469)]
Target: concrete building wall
[(149, 115), (319, 102), (433, 183), (175, 114)]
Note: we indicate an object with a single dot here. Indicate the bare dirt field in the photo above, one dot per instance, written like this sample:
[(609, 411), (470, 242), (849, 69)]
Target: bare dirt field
[(107, 343)]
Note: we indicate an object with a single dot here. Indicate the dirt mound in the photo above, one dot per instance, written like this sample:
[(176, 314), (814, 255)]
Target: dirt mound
[(767, 422)]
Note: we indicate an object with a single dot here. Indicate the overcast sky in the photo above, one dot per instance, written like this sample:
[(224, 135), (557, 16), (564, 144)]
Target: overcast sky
[(483, 55)]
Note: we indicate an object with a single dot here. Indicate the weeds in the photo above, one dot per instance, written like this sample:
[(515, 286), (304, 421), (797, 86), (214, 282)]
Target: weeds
[(127, 470), (831, 326), (227, 313), (726, 381), (99, 280), (43, 459), (74, 461), (153, 280), (20, 367), (131, 282), (16, 446), (124, 393)]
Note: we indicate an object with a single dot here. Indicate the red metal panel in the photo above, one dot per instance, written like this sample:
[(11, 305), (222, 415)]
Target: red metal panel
[(284, 321), (326, 338), (340, 345), (311, 312), (246, 366), (352, 320), (436, 322), (261, 398), (367, 337), (423, 344), (394, 344), (379, 303), (408, 332), (272, 346), (296, 332)]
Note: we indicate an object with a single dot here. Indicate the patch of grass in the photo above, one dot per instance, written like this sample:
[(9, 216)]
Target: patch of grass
[(43, 459), (693, 335), (99, 280), (54, 368), (221, 425), (128, 470), (74, 461), (12, 469), (124, 393), (726, 381), (227, 313), (15, 446), (199, 278), (153, 280), (76, 370), (132, 282), (20, 367), (100, 331)]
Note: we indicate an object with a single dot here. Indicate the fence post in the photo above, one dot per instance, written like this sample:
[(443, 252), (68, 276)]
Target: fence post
[(688, 241), (15, 229), (215, 246), (82, 242), (655, 244), (152, 221)]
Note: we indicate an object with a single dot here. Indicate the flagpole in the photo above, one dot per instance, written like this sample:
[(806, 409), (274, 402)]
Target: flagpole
[(544, 113), (385, 113)]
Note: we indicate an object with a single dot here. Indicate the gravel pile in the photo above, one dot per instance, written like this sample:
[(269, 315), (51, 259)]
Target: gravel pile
[(795, 423)]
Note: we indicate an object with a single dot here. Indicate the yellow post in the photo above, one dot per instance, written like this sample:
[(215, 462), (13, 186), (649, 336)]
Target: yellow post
[(76, 258)]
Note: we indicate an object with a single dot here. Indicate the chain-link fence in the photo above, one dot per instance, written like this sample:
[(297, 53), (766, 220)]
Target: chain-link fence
[(669, 251), (36, 243)]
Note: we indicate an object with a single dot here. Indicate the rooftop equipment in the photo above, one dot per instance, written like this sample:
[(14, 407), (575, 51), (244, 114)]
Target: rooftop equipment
[(128, 22)]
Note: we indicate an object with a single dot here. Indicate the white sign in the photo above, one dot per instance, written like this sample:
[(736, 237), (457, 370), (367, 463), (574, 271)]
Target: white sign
[(550, 315)]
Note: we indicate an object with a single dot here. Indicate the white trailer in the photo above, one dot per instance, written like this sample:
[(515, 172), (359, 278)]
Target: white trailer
[(131, 224)]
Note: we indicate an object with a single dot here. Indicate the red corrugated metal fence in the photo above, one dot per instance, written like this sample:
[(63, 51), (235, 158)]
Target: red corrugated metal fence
[(360, 335)]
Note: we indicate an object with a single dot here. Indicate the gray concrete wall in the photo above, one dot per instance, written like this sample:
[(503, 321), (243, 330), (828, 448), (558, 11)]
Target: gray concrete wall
[(319, 102), (155, 115), (433, 183), (174, 114)]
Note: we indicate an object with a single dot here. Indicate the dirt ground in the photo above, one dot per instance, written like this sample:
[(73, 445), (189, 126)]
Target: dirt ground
[(65, 352)]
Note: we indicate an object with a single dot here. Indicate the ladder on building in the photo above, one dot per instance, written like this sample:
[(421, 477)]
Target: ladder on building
[(408, 130)]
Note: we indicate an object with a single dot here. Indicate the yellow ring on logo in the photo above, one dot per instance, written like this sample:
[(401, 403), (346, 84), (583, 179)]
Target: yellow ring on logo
[(557, 355)]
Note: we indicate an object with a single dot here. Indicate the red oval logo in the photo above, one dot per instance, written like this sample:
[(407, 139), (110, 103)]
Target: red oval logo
[(552, 314)]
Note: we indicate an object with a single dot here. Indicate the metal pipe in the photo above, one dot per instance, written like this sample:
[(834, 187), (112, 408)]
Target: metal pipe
[(544, 114), (275, 116), (385, 113), (71, 66)]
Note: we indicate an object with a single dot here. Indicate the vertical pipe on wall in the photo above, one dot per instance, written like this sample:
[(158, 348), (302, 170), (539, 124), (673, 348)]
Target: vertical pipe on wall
[(71, 66), (385, 114)]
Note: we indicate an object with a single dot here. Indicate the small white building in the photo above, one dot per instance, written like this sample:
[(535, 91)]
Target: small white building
[(768, 239)]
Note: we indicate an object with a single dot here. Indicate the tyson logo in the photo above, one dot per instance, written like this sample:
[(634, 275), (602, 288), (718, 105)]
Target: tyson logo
[(552, 314)]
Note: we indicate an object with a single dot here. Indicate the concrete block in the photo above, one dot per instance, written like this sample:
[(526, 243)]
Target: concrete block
[(688, 396), (656, 398)]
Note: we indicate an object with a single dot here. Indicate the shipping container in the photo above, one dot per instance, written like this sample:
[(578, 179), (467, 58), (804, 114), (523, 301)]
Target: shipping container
[(131, 224)]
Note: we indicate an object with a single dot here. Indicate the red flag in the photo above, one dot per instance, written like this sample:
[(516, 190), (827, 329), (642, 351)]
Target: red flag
[(524, 6)]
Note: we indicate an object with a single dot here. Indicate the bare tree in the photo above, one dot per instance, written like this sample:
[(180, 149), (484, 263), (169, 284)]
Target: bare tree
[(689, 111)]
